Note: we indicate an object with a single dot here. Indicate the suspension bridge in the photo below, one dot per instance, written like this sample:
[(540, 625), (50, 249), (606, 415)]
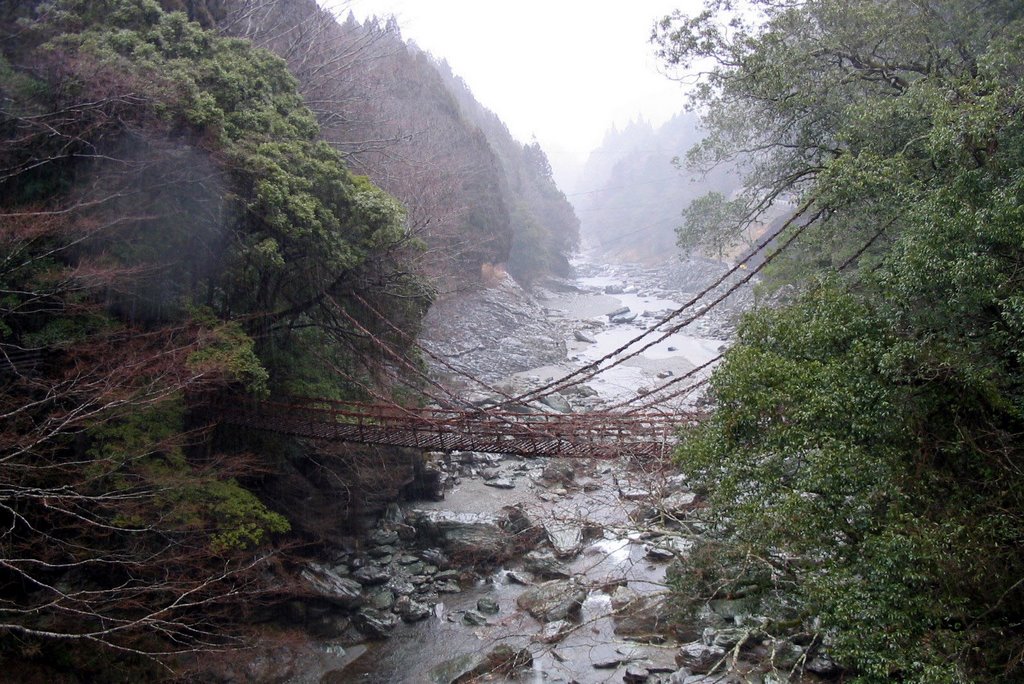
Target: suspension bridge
[(636, 427)]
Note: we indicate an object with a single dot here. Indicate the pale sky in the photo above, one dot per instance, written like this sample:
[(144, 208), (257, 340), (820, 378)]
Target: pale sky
[(564, 71)]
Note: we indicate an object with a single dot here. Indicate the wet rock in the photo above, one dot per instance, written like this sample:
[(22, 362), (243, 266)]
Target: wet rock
[(822, 665), (490, 473), (635, 674), (401, 586), (435, 557), (448, 587), (554, 632), (474, 618), (473, 537), (374, 623), (382, 599), (560, 472), (614, 290), (557, 402), (627, 317), (411, 610), (584, 337), (371, 575), (700, 658), (487, 605), (324, 583), (668, 548), (621, 311), (514, 577), (553, 600), (502, 661), (679, 502), (383, 537), (544, 567), (566, 538), (501, 483)]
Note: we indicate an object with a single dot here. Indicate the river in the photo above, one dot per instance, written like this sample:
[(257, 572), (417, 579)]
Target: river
[(593, 514)]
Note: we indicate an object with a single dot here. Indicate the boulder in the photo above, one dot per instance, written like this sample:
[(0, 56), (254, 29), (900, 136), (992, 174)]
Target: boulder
[(557, 402), (584, 337), (554, 632), (566, 538), (560, 472), (544, 566), (324, 583), (370, 575), (473, 537), (487, 605), (410, 610), (501, 483), (474, 618), (502, 661), (699, 658), (553, 600), (374, 623)]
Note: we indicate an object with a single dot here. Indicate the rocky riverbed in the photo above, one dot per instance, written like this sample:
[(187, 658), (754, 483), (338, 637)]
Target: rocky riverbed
[(507, 568)]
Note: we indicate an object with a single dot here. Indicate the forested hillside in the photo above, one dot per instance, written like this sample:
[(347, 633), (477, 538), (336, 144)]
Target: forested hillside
[(864, 462), (474, 194), (182, 220), (637, 186)]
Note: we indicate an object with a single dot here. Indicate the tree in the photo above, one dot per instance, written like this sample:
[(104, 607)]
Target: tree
[(864, 448)]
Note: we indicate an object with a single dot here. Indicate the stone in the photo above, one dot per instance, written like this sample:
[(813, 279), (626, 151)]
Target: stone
[(382, 599), (503, 661), (635, 673), (487, 605), (383, 537), (544, 567), (490, 473), (679, 502), (822, 665), (733, 609), (560, 472), (557, 402), (448, 587), (553, 600), (627, 317), (371, 575), (566, 538), (401, 586), (501, 483), (700, 658), (411, 610), (473, 537), (474, 618), (554, 632), (621, 311), (584, 337), (374, 623), (514, 577), (326, 584), (435, 557), (668, 548), (664, 375)]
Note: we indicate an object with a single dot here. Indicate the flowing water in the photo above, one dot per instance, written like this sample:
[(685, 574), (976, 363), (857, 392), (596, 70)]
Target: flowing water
[(604, 497)]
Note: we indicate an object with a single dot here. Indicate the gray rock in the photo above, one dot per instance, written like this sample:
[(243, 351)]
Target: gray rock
[(501, 483), (621, 311), (371, 575), (514, 577), (566, 538), (700, 658), (383, 537), (668, 548), (554, 632), (324, 583), (553, 600), (545, 567), (502, 661), (448, 587), (560, 472), (557, 402), (627, 317), (474, 537), (584, 337), (411, 610), (382, 599), (487, 605), (474, 618), (733, 609), (822, 665), (635, 673), (374, 623)]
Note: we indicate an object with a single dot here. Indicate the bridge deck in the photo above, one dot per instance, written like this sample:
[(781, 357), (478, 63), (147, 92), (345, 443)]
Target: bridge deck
[(591, 435)]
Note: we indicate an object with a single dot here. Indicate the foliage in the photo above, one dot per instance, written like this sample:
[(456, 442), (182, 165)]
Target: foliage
[(865, 442)]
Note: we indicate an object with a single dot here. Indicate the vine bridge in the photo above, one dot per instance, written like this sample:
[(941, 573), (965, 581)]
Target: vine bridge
[(640, 426), (590, 435)]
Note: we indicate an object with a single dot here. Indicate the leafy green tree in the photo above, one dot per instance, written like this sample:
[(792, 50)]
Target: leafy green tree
[(865, 446)]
